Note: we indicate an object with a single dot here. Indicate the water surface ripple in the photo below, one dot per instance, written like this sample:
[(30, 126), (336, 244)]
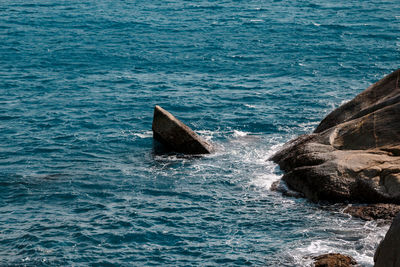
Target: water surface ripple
[(81, 183)]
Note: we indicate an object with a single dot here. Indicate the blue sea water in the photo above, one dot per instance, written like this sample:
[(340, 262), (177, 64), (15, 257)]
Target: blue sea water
[(81, 183)]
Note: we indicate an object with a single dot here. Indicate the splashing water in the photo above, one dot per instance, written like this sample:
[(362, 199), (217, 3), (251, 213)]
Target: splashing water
[(81, 182)]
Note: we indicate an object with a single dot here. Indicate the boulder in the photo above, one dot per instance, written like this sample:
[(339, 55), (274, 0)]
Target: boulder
[(334, 260), (385, 212), (354, 153), (388, 252), (175, 135)]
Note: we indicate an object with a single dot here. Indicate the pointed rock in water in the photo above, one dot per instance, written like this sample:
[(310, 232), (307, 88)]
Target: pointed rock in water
[(171, 132), (354, 154)]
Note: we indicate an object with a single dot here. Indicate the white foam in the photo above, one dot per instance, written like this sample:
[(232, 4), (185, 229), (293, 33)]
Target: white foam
[(237, 133), (250, 106), (344, 102), (264, 181), (275, 148), (208, 135), (308, 127), (354, 238), (267, 171), (144, 134)]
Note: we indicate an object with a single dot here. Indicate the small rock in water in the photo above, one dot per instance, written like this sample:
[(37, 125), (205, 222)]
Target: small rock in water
[(280, 186), (334, 260), (174, 134)]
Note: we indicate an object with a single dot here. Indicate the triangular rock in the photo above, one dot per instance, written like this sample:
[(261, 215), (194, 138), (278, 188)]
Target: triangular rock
[(171, 132)]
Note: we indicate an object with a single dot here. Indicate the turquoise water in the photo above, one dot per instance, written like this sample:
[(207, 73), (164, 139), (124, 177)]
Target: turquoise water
[(81, 183)]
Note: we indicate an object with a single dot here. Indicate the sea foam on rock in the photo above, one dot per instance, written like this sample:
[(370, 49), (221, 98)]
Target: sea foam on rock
[(174, 134), (354, 153)]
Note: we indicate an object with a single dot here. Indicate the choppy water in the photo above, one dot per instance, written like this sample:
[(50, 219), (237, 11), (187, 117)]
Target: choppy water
[(80, 182)]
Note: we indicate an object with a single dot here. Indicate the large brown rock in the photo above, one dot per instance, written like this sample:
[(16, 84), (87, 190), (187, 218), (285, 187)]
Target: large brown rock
[(354, 154), (334, 260), (388, 252), (171, 132)]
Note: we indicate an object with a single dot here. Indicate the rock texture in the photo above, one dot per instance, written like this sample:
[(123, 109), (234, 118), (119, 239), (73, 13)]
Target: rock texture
[(334, 260), (354, 154), (171, 132), (385, 212), (388, 252)]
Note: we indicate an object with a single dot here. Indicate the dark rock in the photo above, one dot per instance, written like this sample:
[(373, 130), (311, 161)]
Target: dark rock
[(388, 252), (334, 260), (275, 186), (172, 133), (354, 154), (280, 186), (380, 211)]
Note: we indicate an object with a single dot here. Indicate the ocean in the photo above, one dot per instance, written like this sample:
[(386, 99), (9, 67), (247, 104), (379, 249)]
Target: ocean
[(82, 183)]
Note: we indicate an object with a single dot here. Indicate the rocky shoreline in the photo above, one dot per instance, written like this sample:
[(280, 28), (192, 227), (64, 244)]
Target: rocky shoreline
[(353, 156)]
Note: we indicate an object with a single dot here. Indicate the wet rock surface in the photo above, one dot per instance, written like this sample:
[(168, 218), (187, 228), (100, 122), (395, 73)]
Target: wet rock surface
[(354, 154), (334, 260), (175, 135)]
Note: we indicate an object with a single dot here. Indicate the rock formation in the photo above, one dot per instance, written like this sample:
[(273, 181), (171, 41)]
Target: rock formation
[(383, 212), (388, 252), (354, 153), (334, 260), (172, 133)]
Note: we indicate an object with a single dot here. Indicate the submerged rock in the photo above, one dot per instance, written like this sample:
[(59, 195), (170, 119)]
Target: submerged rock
[(388, 252), (172, 133), (354, 154), (334, 260)]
